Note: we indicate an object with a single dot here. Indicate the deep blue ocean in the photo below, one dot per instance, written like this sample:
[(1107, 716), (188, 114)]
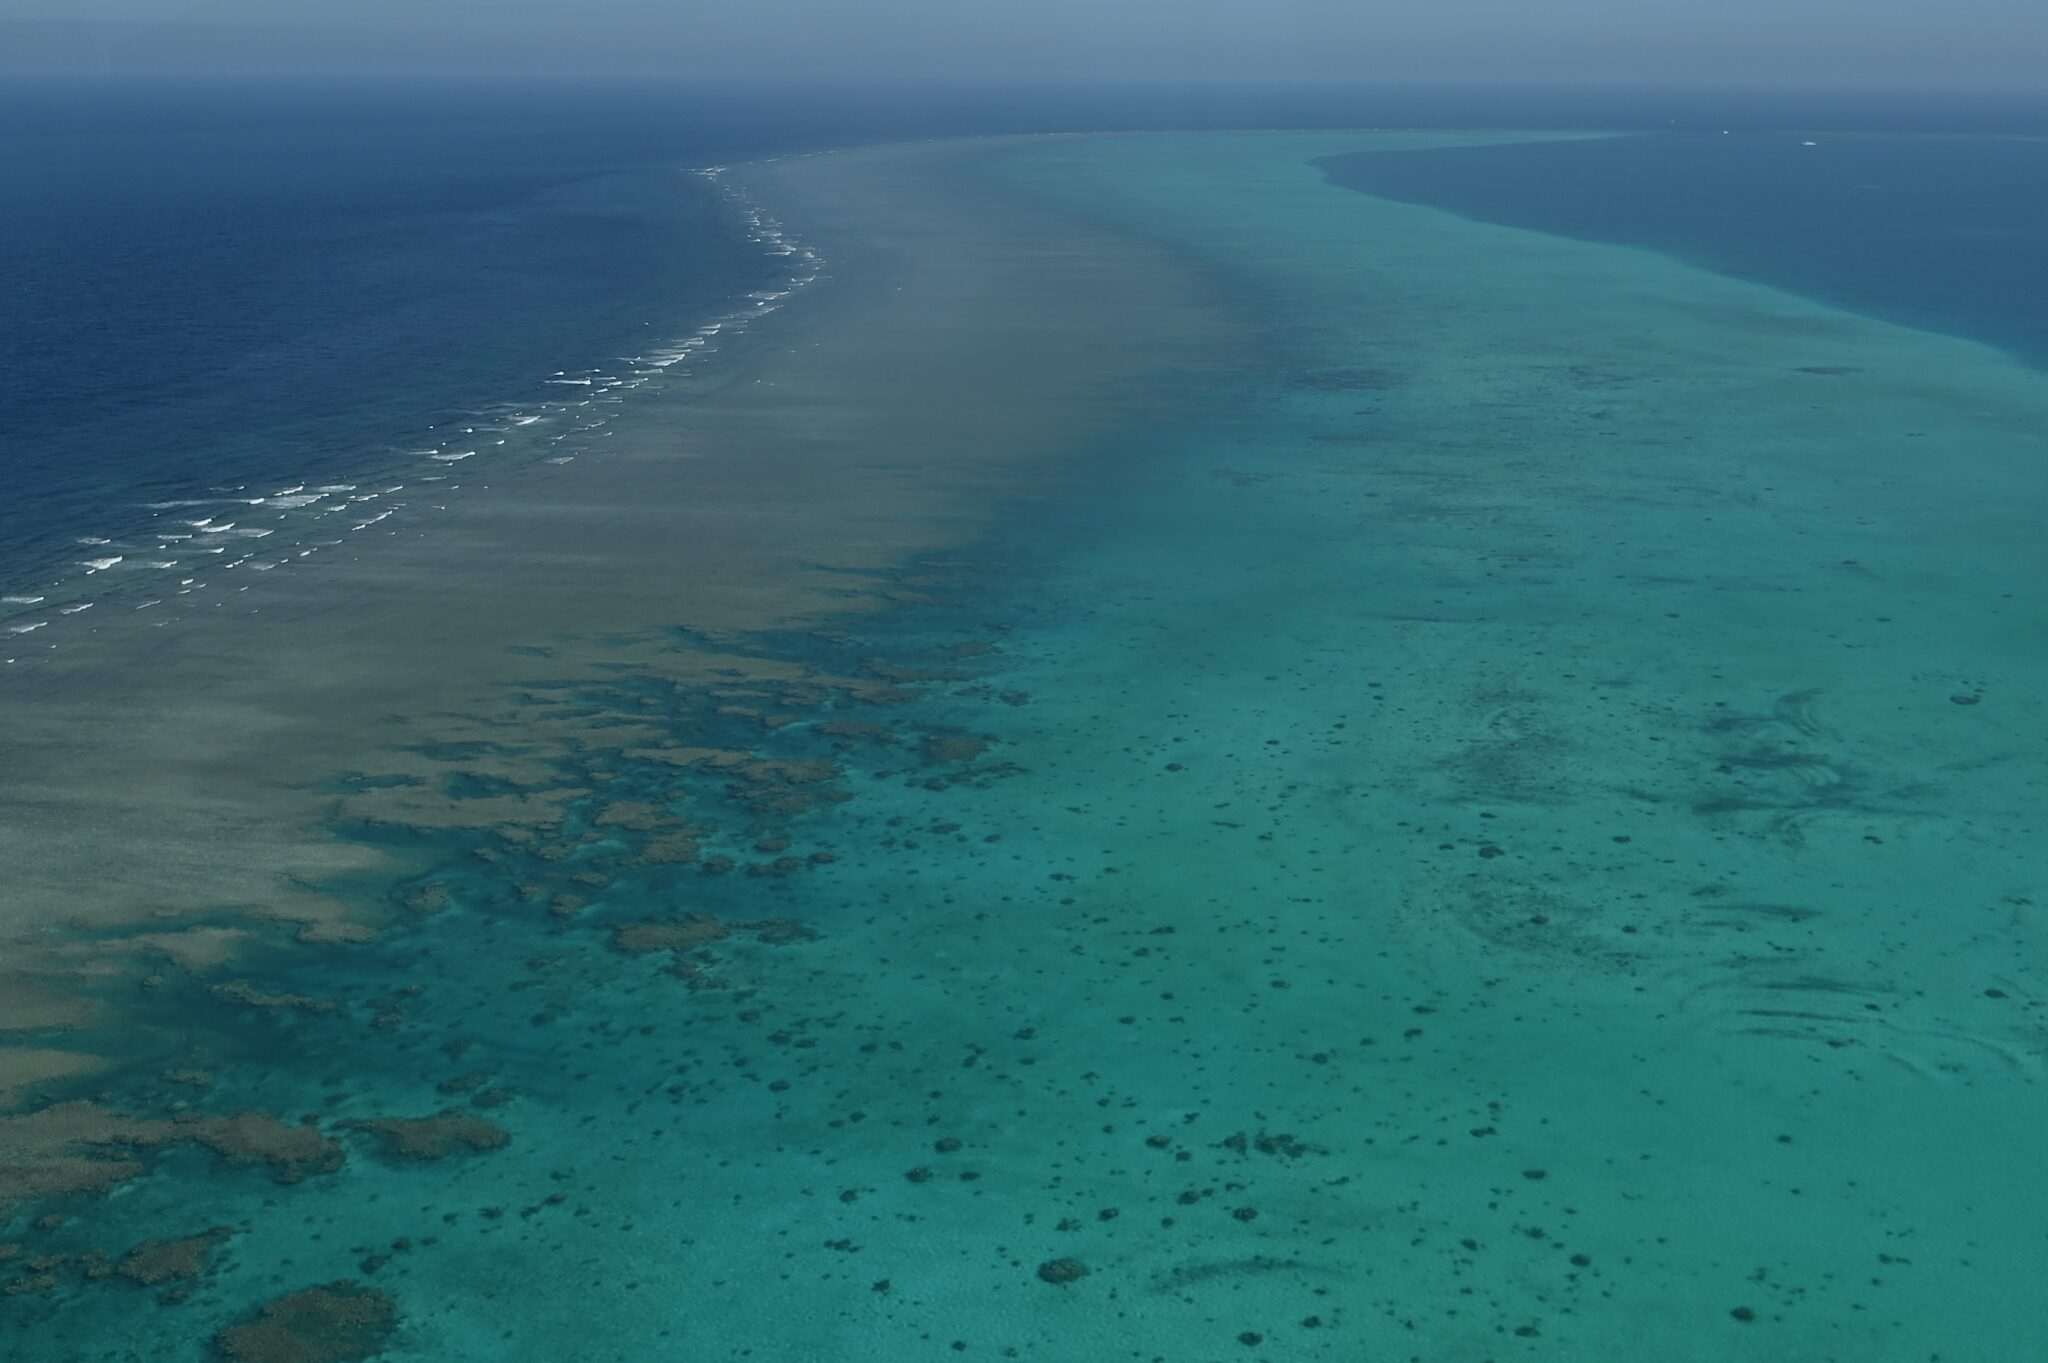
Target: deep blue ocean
[(228, 289), (248, 290), (1944, 233)]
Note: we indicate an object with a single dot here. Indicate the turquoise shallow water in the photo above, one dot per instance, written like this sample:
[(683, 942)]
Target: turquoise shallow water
[(1501, 827)]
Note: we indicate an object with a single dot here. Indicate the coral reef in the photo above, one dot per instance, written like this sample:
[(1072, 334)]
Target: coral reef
[(155, 1262), (336, 1323), (86, 1147), (453, 1132), (1060, 1272)]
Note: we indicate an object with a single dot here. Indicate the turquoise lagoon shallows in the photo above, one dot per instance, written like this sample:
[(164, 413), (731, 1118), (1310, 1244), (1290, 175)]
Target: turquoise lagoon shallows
[(1509, 828)]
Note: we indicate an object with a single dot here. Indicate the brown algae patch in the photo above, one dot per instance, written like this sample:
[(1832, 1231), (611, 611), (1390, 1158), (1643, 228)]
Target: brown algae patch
[(291, 1152), (23, 1068), (196, 948), (940, 749), (339, 1322), (249, 996), (68, 1148), (849, 730), (780, 932), (682, 937), (899, 675), (682, 934), (773, 787), (453, 1132), (155, 1262), (83, 1147), (32, 1004), (686, 937)]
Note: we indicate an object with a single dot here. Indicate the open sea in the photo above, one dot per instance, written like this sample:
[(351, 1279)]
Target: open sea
[(219, 303), (229, 298), (1401, 744)]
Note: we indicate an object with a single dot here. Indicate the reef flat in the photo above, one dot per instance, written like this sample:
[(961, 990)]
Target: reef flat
[(1183, 762)]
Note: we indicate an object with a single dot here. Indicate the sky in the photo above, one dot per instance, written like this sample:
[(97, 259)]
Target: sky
[(1771, 42)]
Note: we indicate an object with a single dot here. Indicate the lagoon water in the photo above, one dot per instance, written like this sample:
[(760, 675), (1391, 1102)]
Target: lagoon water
[(1188, 755)]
